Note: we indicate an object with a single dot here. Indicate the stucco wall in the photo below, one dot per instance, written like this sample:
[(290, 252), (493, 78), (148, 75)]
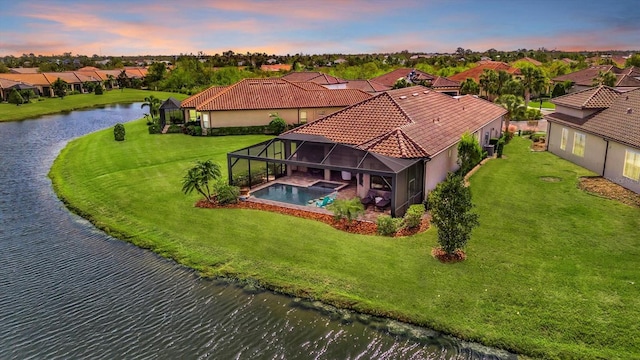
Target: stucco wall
[(594, 150), (615, 166), (575, 112), (261, 117), (492, 129), (440, 165)]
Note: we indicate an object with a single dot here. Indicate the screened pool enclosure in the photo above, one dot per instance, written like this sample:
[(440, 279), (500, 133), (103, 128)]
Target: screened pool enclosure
[(284, 155)]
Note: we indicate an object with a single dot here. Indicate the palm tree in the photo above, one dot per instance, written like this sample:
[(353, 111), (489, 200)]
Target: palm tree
[(200, 177), (514, 106), (59, 88), (153, 103), (605, 78), (488, 82), (502, 78), (533, 80)]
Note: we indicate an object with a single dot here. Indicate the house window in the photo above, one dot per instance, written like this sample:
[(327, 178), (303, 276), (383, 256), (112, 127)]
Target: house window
[(563, 140), (303, 116), (380, 182), (205, 120), (578, 144), (631, 165)]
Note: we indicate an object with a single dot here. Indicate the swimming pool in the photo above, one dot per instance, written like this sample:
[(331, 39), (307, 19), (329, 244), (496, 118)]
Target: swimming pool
[(291, 194)]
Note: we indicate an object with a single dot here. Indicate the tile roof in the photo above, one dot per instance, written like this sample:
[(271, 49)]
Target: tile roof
[(594, 98), (31, 79), (313, 76), (6, 83), (624, 80), (69, 77), (586, 76), (619, 122), (307, 85), (530, 60), (474, 73), (24, 70), (277, 93), (369, 86), (405, 123), (195, 100)]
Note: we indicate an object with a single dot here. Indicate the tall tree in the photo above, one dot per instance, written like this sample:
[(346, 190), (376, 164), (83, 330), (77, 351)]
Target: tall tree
[(501, 80), (533, 80), (488, 83), (514, 106), (605, 78), (451, 213), (633, 60), (469, 87), (59, 88), (200, 178), (153, 103)]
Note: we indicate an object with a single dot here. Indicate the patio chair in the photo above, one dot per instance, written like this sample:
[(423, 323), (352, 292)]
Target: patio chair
[(383, 201), (370, 198)]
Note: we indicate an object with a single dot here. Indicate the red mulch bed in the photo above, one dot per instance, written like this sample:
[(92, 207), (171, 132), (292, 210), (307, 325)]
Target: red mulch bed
[(441, 255), (602, 187), (356, 226)]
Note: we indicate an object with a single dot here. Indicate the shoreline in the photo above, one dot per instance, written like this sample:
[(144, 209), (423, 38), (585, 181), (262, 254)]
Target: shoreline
[(220, 260)]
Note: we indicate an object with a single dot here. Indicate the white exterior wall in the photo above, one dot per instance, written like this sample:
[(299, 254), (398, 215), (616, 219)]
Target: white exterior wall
[(440, 165), (615, 166), (594, 150), (492, 129)]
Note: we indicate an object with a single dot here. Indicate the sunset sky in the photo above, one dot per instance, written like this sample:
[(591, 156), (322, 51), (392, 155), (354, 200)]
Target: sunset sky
[(145, 27)]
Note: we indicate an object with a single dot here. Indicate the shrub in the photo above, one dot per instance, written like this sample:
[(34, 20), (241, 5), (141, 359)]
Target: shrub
[(451, 213), (527, 132), (225, 193), (413, 216), (493, 141), (15, 97), (500, 147), (174, 129), (154, 129), (237, 130), (534, 114), (277, 125), (98, 90), (348, 209), (387, 226), (197, 131), (118, 132), (75, 92), (469, 152)]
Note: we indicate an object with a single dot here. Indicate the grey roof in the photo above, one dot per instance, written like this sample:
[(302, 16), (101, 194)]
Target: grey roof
[(170, 104), (619, 122)]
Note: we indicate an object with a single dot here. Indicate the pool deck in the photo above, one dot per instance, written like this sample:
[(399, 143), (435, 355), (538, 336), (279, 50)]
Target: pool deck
[(305, 180)]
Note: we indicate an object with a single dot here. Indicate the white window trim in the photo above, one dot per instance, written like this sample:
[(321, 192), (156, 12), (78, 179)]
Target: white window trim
[(631, 171), (577, 136), (564, 139)]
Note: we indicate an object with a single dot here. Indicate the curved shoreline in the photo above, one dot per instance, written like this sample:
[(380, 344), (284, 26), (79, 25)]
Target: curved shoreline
[(225, 266), (52, 106)]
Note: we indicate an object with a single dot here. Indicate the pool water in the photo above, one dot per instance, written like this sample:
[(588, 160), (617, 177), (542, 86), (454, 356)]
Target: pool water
[(291, 194)]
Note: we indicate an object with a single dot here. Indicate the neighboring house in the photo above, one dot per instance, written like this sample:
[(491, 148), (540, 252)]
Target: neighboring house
[(401, 141), (368, 86), (5, 88), (42, 84), (474, 73), (627, 79), (599, 129), (276, 67), (326, 80), (437, 83), (531, 61), (251, 101), (24, 70)]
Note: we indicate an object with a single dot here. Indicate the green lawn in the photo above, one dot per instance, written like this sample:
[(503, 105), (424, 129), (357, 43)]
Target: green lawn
[(545, 105), (551, 272), (10, 112)]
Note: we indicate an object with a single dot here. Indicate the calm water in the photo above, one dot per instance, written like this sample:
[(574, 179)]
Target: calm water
[(292, 194), (68, 291)]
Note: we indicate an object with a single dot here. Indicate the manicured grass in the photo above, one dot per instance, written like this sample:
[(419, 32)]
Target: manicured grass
[(551, 272), (10, 112), (545, 105)]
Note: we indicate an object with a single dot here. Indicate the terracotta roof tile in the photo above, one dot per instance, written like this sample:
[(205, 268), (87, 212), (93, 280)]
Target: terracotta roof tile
[(586, 76), (313, 76), (194, 100), (619, 122), (369, 86), (474, 73), (594, 98), (405, 123), (31, 79), (277, 93)]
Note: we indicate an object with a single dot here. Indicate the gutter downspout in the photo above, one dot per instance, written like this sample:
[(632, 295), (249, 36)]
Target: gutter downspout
[(606, 153), (548, 134)]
